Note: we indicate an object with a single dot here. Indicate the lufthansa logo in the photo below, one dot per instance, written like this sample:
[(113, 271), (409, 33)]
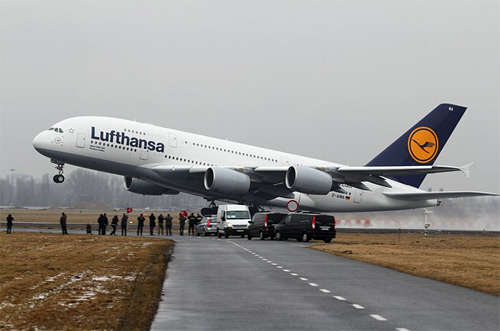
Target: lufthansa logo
[(423, 144)]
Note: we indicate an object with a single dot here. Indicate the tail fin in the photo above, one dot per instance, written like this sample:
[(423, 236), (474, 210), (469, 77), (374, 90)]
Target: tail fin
[(421, 144)]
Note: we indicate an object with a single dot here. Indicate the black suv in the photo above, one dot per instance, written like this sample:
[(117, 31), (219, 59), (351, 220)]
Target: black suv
[(306, 226), (262, 225)]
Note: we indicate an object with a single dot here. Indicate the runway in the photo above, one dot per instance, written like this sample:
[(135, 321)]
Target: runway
[(237, 284)]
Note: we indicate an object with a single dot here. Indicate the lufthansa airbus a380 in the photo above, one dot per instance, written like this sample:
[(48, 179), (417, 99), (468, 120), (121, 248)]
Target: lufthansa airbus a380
[(156, 160)]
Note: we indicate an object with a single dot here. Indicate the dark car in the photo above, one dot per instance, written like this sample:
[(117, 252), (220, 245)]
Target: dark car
[(306, 226), (207, 226), (262, 225)]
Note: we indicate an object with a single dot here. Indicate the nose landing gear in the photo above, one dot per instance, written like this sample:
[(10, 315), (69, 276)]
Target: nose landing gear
[(59, 178)]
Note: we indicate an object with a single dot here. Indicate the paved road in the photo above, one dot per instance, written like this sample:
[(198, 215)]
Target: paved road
[(237, 284)]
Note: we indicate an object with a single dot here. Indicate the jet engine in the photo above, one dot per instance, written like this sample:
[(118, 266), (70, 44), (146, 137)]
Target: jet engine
[(308, 180), (226, 181), (139, 186)]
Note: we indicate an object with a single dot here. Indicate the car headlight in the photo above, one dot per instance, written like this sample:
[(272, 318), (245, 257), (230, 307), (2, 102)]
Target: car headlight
[(229, 225)]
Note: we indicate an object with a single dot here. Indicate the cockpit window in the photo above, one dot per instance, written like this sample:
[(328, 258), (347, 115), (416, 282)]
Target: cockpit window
[(57, 130)]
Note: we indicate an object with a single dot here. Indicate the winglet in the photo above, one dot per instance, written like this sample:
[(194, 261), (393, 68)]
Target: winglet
[(466, 169)]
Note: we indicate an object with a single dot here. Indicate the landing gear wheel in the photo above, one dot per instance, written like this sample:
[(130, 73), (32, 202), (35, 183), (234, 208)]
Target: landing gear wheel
[(58, 179)]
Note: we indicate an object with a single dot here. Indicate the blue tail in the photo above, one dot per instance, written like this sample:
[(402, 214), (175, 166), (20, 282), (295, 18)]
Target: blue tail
[(421, 144)]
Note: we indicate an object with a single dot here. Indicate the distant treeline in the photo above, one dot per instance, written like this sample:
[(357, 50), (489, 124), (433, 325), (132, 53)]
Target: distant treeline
[(85, 187)]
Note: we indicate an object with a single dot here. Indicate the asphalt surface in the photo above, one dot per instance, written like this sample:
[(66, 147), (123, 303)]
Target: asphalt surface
[(237, 284)]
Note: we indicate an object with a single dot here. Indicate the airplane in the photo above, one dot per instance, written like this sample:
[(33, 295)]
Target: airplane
[(156, 160)]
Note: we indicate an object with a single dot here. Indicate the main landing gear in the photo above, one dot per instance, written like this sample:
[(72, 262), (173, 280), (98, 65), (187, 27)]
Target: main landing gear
[(211, 210), (59, 178)]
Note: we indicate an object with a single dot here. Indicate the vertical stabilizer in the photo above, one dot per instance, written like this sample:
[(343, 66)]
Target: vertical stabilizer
[(421, 144)]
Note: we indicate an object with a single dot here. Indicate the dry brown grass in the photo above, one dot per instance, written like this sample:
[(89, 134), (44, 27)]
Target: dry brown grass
[(79, 282), (471, 261)]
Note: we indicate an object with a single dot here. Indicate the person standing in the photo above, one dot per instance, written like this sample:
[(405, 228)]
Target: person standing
[(182, 223), (124, 224), (104, 223), (152, 224), (192, 222), (168, 224), (99, 221), (9, 219), (63, 221), (114, 223), (198, 219), (140, 224), (160, 224), (89, 229)]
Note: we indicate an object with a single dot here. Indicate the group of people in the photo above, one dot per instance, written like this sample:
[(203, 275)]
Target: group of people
[(102, 220), (193, 221), (167, 220)]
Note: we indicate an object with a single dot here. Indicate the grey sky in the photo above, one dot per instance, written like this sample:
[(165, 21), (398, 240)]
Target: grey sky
[(335, 80)]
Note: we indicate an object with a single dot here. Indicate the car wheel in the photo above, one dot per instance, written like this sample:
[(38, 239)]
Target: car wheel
[(328, 240), (261, 235), (305, 237), (278, 237)]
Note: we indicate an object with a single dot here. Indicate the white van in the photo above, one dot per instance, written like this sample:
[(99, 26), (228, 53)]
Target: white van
[(232, 220)]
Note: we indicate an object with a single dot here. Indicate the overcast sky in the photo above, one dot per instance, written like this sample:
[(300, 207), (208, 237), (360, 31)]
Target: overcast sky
[(335, 80)]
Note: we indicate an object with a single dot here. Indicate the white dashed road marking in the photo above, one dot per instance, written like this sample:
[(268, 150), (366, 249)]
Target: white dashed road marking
[(378, 318), (354, 305)]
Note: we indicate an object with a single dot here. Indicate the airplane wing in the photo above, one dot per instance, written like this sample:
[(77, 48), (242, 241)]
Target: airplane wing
[(268, 182), (416, 196)]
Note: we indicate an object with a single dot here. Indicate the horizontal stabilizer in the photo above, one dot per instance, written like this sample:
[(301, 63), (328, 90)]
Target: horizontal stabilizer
[(416, 196)]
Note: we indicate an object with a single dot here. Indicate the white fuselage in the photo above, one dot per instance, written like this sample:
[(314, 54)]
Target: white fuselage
[(130, 148)]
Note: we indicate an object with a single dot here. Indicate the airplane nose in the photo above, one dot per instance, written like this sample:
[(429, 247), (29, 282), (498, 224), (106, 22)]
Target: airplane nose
[(39, 141)]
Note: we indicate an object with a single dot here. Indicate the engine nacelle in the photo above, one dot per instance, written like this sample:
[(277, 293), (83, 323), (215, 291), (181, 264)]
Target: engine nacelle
[(226, 181), (308, 180), (139, 186)]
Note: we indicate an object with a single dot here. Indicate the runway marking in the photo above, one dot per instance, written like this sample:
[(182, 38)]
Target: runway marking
[(355, 305), (294, 274), (269, 261), (304, 279), (378, 318), (339, 298), (313, 284), (275, 263), (324, 290), (402, 329), (286, 270), (279, 267)]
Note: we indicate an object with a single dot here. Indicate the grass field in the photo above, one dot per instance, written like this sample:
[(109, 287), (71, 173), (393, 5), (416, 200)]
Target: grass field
[(471, 261), (79, 282)]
